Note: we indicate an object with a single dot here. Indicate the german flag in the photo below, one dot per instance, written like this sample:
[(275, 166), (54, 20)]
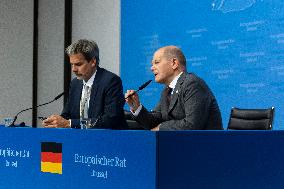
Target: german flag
[(51, 157)]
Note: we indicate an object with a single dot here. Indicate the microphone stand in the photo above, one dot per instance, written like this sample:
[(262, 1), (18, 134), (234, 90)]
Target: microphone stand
[(16, 116)]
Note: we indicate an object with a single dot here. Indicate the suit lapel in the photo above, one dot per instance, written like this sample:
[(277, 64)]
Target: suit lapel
[(78, 92), (176, 92), (94, 91), (164, 105)]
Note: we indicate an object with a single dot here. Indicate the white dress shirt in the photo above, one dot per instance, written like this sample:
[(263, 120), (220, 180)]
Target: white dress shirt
[(89, 83)]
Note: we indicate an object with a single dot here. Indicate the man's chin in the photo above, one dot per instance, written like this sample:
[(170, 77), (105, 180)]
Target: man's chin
[(157, 79), (79, 77)]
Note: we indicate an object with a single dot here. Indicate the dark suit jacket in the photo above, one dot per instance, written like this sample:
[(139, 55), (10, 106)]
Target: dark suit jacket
[(106, 101), (192, 107)]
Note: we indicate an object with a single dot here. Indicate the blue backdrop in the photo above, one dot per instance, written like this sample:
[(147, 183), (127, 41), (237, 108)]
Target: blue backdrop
[(236, 47)]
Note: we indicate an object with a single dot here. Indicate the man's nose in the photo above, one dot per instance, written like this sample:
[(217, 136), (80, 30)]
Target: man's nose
[(74, 69)]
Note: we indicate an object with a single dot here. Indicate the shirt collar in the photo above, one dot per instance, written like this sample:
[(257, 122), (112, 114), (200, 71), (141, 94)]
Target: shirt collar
[(89, 83), (174, 81)]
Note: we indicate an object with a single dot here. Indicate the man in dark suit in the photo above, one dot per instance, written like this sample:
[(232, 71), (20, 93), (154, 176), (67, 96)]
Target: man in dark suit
[(186, 103), (95, 93)]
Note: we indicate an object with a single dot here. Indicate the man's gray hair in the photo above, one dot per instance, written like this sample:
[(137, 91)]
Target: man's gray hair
[(88, 48)]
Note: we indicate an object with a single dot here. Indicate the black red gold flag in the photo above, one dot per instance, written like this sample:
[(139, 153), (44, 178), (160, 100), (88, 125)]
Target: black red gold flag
[(51, 157)]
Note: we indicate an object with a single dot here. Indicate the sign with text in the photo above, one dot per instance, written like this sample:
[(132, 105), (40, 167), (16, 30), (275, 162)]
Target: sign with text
[(72, 158)]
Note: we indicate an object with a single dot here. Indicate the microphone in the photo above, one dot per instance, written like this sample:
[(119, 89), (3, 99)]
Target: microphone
[(144, 85), (57, 97), (101, 114), (15, 118), (140, 88)]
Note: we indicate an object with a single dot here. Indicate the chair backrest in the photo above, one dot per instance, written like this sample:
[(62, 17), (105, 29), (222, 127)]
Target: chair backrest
[(251, 119), (132, 124)]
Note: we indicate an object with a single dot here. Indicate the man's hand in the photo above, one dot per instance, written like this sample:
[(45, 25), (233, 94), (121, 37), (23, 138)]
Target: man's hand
[(132, 99), (56, 121), (156, 128)]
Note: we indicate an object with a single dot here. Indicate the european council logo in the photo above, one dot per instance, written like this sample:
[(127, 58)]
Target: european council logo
[(51, 157)]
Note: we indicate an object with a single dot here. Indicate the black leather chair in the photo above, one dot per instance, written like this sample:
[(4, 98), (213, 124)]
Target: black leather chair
[(251, 119), (132, 124)]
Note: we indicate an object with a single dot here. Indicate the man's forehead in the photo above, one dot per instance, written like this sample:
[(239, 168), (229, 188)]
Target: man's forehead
[(156, 58), (77, 57), (158, 55)]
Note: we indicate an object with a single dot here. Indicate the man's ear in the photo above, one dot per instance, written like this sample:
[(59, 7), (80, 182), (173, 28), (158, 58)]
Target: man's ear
[(94, 62), (175, 63)]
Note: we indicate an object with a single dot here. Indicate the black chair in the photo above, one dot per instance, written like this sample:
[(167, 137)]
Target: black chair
[(132, 124), (251, 119)]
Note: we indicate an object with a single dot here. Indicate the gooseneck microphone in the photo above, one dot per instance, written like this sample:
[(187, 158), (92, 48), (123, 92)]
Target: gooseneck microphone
[(15, 118), (144, 85), (140, 88)]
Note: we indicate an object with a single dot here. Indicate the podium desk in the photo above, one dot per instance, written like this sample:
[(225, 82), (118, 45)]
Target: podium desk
[(108, 159), (221, 160), (103, 159)]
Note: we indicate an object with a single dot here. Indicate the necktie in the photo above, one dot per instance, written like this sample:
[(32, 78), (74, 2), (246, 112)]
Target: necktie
[(168, 93), (83, 102)]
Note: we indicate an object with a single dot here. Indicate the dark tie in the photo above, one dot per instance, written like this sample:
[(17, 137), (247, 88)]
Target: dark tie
[(168, 94)]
